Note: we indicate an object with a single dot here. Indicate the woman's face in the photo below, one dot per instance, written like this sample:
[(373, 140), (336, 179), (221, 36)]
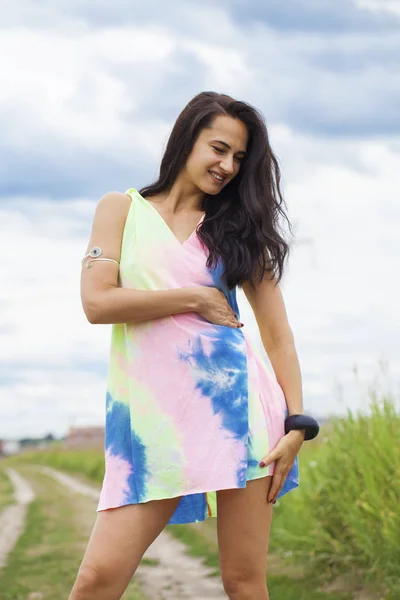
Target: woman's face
[(217, 153)]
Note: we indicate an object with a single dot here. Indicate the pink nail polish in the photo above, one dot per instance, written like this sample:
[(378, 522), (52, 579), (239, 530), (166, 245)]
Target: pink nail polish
[(262, 464)]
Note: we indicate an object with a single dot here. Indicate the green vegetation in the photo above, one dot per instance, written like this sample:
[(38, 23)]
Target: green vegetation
[(47, 556), (344, 519), (342, 523), (82, 462), (198, 545), (282, 586), (6, 489)]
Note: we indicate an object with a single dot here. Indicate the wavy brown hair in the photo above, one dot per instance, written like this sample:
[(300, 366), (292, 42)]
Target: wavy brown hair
[(241, 225)]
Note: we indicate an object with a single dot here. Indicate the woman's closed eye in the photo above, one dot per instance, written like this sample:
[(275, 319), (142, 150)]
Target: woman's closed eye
[(221, 151)]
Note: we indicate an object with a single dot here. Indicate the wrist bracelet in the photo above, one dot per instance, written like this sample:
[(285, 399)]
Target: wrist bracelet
[(302, 422)]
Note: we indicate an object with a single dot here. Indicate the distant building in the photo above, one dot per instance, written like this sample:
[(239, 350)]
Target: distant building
[(8, 447), (85, 437)]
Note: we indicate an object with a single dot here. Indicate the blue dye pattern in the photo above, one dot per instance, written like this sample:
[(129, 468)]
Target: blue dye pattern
[(223, 374), (191, 508), (122, 441), (251, 462), (292, 480), (216, 274), (246, 465), (227, 361), (222, 377)]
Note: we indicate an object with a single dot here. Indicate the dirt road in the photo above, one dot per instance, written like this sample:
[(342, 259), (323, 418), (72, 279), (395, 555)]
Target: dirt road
[(177, 576), (12, 518)]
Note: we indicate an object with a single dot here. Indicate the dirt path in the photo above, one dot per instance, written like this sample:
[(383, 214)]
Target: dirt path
[(12, 519), (177, 576)]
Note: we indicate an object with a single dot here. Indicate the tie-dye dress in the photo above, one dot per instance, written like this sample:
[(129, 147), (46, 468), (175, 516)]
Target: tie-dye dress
[(191, 408)]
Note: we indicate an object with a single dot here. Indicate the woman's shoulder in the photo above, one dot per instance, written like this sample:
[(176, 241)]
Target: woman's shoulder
[(113, 207), (117, 197), (116, 201)]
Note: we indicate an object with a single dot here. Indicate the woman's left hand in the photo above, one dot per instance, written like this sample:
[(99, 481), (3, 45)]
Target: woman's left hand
[(284, 454)]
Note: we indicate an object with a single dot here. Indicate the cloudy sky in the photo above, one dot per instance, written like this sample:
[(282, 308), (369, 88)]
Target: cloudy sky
[(88, 94)]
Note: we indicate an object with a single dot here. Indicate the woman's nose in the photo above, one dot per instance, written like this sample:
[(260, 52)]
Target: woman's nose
[(227, 165)]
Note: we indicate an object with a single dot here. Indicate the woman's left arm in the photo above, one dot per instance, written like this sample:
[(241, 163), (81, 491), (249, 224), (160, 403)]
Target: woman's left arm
[(266, 300)]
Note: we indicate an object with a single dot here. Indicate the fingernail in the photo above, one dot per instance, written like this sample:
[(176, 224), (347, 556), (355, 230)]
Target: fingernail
[(274, 502), (262, 464)]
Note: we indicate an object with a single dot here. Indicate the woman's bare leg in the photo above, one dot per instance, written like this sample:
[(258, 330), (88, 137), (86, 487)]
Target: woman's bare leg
[(243, 525), (118, 541)]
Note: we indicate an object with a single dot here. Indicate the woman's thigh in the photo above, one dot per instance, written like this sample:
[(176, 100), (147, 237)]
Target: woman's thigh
[(119, 539), (243, 526)]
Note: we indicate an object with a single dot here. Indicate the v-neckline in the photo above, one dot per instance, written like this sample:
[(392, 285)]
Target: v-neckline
[(168, 227)]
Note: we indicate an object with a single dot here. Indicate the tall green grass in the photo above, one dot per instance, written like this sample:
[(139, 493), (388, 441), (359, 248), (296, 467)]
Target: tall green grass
[(88, 462), (345, 515)]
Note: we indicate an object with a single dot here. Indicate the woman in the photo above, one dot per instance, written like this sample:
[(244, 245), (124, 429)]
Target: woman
[(195, 422)]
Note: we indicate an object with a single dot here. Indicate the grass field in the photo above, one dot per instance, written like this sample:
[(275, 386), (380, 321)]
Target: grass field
[(6, 490), (345, 519), (343, 523), (280, 586), (45, 561)]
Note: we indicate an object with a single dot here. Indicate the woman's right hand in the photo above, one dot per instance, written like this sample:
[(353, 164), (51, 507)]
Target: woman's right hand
[(214, 306)]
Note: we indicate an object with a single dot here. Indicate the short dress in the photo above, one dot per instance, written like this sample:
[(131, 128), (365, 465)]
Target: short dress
[(191, 408)]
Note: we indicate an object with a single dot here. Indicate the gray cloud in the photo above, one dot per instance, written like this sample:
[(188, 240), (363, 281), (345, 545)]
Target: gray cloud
[(311, 16), (299, 15), (89, 94), (345, 85), (62, 172)]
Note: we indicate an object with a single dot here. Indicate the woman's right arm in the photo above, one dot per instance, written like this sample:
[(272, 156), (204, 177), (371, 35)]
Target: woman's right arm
[(105, 302)]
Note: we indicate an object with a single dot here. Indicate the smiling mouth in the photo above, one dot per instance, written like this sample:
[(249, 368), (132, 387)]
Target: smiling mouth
[(216, 178)]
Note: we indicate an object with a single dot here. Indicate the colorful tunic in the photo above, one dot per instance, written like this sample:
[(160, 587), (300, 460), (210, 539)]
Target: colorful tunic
[(191, 408)]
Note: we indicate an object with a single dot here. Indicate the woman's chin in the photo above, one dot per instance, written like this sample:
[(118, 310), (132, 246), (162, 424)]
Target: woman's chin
[(210, 189)]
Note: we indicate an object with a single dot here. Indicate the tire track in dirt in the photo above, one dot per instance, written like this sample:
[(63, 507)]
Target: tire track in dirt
[(12, 519), (177, 576)]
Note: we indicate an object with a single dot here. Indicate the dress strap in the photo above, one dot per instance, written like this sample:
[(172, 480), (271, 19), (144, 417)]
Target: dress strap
[(131, 192)]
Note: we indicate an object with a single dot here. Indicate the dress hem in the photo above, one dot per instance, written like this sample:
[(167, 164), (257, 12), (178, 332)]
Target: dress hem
[(293, 485)]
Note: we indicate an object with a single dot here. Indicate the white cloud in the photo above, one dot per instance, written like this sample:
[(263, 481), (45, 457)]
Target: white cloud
[(70, 87), (343, 309), (342, 293), (64, 87), (390, 6)]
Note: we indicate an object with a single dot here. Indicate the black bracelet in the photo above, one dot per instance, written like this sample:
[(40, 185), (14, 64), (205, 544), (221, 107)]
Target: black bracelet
[(302, 422)]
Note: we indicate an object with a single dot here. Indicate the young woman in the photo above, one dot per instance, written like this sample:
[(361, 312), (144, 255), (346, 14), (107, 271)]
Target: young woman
[(195, 422)]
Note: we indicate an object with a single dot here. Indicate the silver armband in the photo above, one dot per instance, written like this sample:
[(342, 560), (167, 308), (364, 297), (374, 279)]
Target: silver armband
[(94, 253)]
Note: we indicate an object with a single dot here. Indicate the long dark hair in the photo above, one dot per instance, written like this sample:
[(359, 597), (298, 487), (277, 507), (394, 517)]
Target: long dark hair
[(241, 221)]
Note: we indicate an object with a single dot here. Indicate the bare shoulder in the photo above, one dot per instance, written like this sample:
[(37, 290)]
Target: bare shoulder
[(107, 234), (109, 221), (115, 203)]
